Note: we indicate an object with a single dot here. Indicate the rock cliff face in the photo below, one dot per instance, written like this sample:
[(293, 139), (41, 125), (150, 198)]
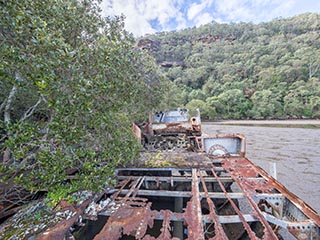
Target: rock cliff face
[(162, 46), (169, 64), (210, 39), (148, 44), (153, 45)]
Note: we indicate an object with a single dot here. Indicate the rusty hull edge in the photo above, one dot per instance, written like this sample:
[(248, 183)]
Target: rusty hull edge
[(59, 230), (299, 203)]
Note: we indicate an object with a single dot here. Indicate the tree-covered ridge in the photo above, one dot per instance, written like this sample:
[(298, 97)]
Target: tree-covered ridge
[(71, 85), (244, 70)]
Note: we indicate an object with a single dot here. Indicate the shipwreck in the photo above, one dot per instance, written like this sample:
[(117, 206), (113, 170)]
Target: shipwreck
[(188, 185)]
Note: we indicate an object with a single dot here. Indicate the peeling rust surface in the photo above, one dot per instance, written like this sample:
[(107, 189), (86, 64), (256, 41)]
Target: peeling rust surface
[(59, 230), (145, 205), (127, 220), (193, 215), (165, 230), (133, 215), (219, 232)]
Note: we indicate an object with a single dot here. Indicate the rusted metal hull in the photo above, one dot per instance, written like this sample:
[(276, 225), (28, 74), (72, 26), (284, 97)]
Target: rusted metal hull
[(225, 196), (208, 191)]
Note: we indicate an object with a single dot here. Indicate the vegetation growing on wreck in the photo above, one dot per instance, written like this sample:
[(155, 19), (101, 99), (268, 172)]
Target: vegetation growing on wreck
[(71, 83)]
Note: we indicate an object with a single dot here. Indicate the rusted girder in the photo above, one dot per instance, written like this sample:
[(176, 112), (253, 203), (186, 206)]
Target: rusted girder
[(251, 188), (122, 186), (303, 206), (218, 229), (239, 171), (244, 222), (193, 216)]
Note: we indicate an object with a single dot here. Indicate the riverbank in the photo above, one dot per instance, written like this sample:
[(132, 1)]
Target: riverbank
[(299, 123)]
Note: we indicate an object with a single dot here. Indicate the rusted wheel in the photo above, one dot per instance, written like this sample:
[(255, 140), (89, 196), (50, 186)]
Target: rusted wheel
[(218, 150)]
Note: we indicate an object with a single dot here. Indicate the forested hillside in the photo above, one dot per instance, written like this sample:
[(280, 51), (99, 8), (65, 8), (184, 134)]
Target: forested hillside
[(243, 70)]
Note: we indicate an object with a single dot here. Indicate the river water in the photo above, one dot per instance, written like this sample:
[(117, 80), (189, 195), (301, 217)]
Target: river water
[(296, 152)]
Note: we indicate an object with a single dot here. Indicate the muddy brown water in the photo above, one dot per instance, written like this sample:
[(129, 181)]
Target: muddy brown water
[(296, 152)]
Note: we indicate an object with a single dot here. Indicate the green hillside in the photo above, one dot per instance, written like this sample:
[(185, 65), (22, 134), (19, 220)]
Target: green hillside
[(243, 70)]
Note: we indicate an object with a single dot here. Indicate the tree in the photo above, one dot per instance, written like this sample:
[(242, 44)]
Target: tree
[(230, 104), (72, 83), (206, 111), (298, 102), (265, 105), (174, 73), (212, 87)]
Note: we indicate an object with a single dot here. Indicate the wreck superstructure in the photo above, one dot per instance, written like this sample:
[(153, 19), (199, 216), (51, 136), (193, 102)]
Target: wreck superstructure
[(170, 129), (207, 191)]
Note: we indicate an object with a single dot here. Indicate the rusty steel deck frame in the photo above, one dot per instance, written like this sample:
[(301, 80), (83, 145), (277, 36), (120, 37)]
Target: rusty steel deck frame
[(231, 198)]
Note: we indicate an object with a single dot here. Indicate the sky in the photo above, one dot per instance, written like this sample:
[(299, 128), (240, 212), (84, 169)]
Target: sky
[(150, 16)]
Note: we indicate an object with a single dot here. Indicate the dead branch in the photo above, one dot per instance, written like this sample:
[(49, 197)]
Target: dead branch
[(31, 110), (7, 115), (3, 105)]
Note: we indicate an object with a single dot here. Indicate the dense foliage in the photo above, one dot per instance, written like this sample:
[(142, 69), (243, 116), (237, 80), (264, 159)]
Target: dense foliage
[(71, 83), (245, 70)]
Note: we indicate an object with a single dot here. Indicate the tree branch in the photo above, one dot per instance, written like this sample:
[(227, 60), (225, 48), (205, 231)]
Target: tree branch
[(31, 110), (7, 115), (2, 105)]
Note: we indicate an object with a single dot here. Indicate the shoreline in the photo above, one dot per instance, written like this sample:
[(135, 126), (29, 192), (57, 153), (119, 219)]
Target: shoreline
[(294, 123)]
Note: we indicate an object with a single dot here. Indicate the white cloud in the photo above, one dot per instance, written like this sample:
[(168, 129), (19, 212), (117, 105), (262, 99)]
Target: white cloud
[(197, 8), (127, 8), (181, 22), (139, 13), (255, 10), (203, 19), (149, 16), (233, 10)]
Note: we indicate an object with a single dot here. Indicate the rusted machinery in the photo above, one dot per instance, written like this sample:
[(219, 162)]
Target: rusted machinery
[(211, 192), (170, 129)]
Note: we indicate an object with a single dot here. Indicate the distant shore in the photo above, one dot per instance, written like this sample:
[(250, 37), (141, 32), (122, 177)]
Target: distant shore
[(294, 123)]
